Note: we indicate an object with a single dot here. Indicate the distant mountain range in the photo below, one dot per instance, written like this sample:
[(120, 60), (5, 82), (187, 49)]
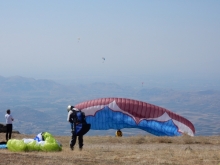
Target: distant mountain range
[(40, 105)]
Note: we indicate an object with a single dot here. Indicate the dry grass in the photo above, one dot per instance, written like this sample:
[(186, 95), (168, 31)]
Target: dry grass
[(107, 150)]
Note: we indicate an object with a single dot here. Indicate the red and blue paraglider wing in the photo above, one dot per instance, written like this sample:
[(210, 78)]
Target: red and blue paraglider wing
[(119, 113)]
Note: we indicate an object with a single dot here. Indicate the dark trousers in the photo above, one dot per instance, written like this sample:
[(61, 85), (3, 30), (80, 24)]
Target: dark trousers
[(73, 140), (8, 131)]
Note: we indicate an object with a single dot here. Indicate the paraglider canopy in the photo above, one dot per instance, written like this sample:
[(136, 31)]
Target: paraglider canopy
[(44, 141), (119, 113)]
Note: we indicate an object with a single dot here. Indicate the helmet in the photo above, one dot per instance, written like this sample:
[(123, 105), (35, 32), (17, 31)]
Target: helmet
[(69, 107)]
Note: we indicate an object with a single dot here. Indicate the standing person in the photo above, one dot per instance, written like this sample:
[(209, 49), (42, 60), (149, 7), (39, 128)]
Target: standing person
[(76, 119), (9, 120)]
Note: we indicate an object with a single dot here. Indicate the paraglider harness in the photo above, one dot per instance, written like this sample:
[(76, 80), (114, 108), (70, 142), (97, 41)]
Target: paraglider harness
[(79, 125)]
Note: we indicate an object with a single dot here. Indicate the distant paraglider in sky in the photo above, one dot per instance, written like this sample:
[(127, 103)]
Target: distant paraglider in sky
[(103, 59), (78, 39), (119, 113)]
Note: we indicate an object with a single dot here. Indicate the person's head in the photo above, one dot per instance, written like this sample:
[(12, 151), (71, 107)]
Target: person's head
[(8, 111), (69, 107)]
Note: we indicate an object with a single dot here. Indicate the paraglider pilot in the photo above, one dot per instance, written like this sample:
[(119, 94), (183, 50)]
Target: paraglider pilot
[(76, 119), (9, 126)]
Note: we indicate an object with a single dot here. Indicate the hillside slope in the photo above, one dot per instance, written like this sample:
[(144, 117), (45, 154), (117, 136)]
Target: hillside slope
[(40, 105)]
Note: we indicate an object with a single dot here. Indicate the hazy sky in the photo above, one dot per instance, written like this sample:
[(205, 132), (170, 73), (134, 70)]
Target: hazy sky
[(60, 39)]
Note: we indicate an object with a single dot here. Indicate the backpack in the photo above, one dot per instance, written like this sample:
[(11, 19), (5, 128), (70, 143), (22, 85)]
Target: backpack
[(81, 127), (78, 117)]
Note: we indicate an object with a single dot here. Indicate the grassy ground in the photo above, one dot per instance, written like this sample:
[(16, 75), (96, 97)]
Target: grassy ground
[(107, 150)]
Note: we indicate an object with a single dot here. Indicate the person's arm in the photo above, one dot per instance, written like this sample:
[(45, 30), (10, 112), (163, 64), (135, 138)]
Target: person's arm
[(72, 120), (69, 116), (74, 117)]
